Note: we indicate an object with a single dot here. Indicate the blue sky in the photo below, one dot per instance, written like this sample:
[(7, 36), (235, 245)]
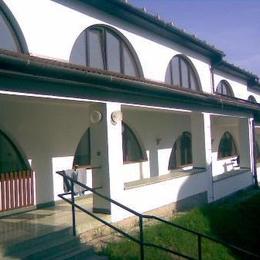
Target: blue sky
[(233, 26)]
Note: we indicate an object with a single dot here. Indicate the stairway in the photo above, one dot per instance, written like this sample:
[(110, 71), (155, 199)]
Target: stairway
[(58, 245)]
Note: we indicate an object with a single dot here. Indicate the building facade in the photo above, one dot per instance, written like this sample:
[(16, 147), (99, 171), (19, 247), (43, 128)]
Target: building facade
[(149, 114)]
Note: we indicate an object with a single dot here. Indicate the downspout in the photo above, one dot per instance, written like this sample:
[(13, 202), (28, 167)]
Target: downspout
[(212, 79), (254, 154), (212, 91)]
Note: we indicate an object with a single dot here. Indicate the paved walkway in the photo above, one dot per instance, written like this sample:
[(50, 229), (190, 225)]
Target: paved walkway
[(43, 221)]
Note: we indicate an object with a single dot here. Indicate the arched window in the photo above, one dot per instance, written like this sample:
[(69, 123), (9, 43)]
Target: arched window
[(10, 158), (181, 154), (11, 37), (104, 48), (252, 99), (82, 155), (227, 146), (224, 88), (180, 72), (132, 150)]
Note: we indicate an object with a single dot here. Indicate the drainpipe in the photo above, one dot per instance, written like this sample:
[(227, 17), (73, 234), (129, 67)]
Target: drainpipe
[(212, 78), (254, 154)]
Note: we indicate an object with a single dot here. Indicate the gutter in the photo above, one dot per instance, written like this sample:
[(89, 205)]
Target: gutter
[(44, 69)]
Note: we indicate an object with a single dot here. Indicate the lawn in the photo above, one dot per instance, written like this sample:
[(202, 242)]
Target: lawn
[(235, 220)]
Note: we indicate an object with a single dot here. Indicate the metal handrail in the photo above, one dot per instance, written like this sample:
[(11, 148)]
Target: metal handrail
[(141, 217)]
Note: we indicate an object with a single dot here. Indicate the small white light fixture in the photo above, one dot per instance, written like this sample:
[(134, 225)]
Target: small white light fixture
[(95, 117), (116, 117)]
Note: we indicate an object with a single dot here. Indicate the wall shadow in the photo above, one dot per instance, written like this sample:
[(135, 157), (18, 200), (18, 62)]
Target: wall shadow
[(232, 219)]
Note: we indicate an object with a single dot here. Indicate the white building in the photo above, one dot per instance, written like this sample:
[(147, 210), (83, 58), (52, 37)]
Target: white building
[(70, 70)]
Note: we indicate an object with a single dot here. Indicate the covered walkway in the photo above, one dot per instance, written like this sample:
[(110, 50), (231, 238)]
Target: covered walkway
[(36, 223)]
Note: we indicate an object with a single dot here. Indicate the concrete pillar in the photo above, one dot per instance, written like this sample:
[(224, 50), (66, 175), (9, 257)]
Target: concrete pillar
[(201, 139), (201, 146), (42, 165), (106, 152), (244, 149)]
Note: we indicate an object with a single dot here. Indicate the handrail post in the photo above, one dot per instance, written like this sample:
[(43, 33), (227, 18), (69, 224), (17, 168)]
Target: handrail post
[(73, 209), (199, 247), (141, 230)]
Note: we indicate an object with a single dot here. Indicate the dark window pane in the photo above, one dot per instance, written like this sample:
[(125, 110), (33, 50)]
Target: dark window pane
[(185, 148), (218, 89), (224, 88), (7, 37), (10, 158), (252, 99), (95, 53), (129, 64), (175, 71), (78, 54), (113, 53), (193, 82), (102, 48), (181, 154), (132, 151), (82, 155), (184, 74), (168, 79), (227, 146)]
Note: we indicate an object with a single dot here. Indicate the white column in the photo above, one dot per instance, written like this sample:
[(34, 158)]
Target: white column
[(201, 146), (245, 151), (106, 152)]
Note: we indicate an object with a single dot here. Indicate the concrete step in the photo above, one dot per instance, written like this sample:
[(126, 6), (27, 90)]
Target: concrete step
[(65, 253), (55, 245), (34, 243), (80, 254)]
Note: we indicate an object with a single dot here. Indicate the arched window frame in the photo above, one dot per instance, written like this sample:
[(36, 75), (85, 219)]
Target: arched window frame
[(14, 28), (86, 157), (191, 70), (252, 99), (222, 154), (123, 43), (22, 161), (222, 87), (126, 131), (187, 160)]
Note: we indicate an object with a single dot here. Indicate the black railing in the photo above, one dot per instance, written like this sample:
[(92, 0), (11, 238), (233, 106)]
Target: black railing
[(140, 241)]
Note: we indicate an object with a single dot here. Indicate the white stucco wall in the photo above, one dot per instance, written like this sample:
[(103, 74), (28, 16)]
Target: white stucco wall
[(54, 36), (254, 93), (230, 185), (155, 195), (238, 85), (152, 127), (48, 133), (219, 126)]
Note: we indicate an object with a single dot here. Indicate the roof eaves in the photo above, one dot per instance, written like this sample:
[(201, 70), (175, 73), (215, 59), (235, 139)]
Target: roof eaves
[(234, 70), (154, 23), (65, 71)]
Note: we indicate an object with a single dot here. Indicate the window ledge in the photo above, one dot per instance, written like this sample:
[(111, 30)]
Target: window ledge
[(230, 174), (172, 175), (137, 161)]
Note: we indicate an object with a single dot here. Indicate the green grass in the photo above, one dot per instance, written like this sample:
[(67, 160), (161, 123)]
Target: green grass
[(235, 220)]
